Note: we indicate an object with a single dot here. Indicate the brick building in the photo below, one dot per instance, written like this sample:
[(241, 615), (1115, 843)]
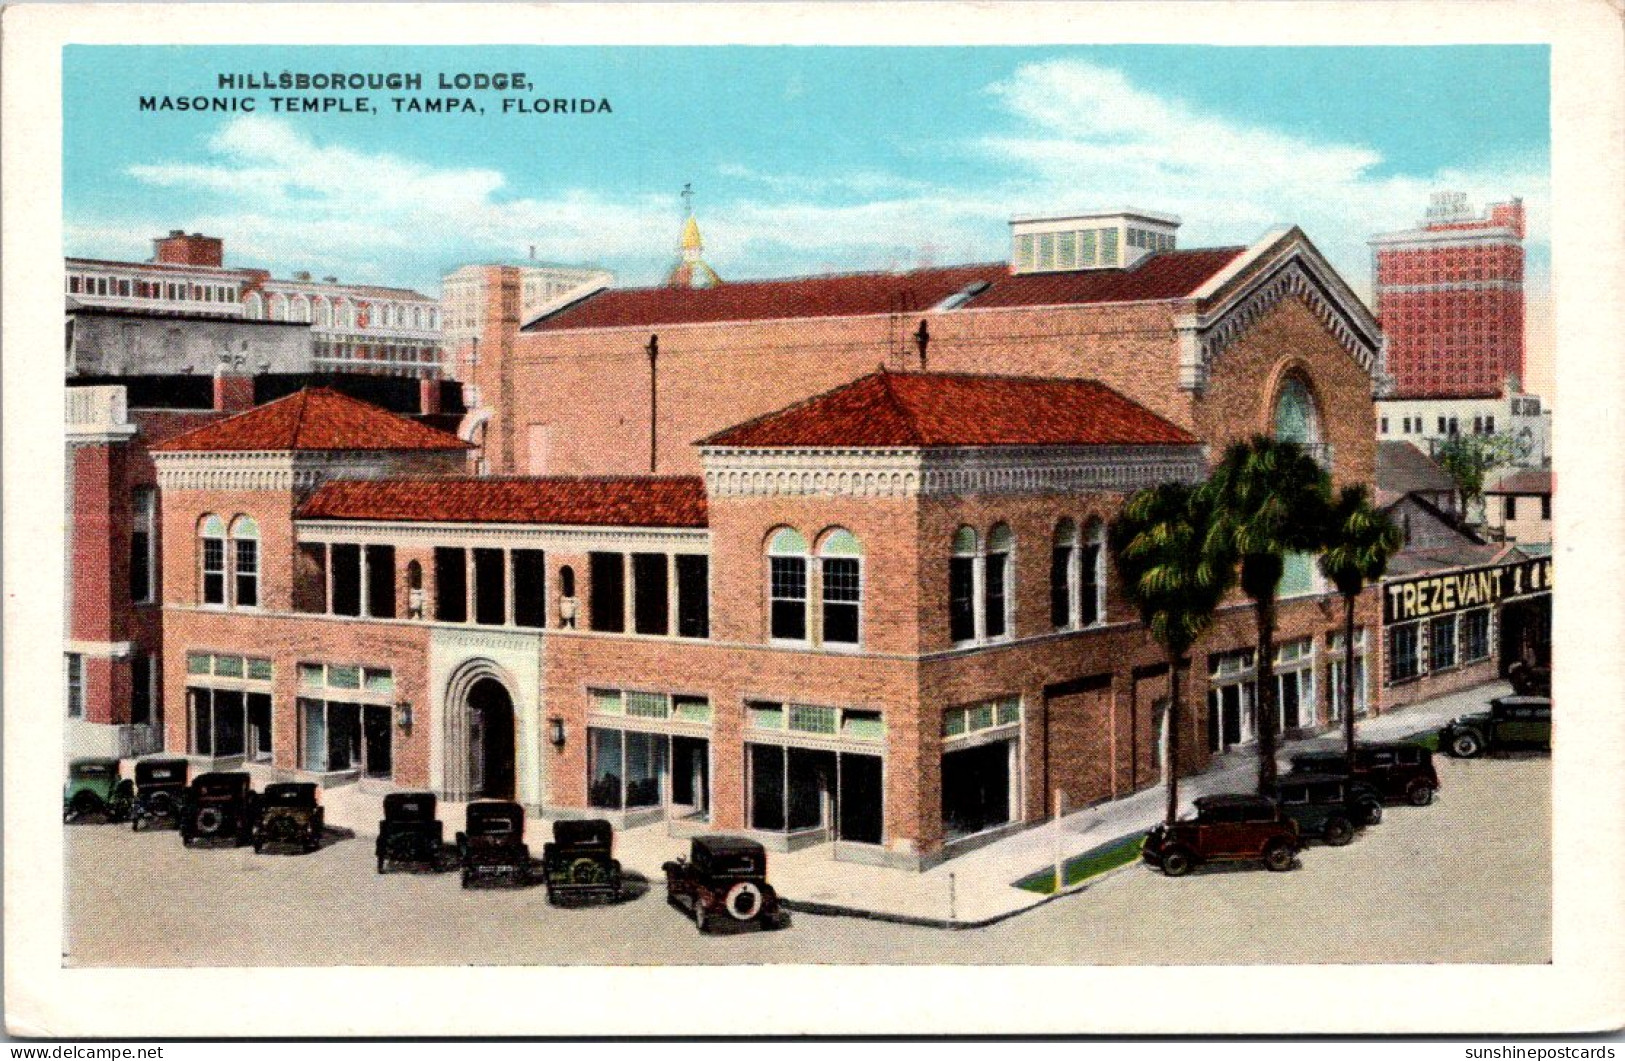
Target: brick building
[(776, 577), (1450, 297)]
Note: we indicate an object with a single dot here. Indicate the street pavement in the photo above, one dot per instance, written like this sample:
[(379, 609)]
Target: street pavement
[(1467, 879)]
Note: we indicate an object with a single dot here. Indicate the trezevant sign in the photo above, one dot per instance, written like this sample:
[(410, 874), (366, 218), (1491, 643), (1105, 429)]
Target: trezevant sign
[(1429, 595)]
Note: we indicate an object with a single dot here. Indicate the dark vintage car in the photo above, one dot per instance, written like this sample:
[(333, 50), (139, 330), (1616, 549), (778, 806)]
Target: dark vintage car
[(578, 861), (289, 815), (94, 789), (409, 831), (723, 877), (493, 845), (219, 806), (1325, 806), (1397, 770), (1512, 722), (160, 792), (1225, 828)]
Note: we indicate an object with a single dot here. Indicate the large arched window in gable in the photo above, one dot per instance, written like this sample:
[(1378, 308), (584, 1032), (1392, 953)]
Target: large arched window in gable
[(841, 573), (212, 559), (787, 585), (1296, 418), (245, 560)]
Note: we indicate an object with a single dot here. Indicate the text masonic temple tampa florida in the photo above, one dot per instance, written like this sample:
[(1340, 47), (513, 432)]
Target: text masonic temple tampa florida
[(447, 94), (820, 560)]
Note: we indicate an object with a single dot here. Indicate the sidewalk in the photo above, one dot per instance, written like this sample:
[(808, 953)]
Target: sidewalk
[(973, 889)]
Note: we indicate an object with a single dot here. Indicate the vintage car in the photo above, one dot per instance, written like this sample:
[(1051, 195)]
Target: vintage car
[(578, 862), (1224, 828), (219, 806), (1511, 722), (1325, 806), (409, 831), (289, 815), (94, 789), (1396, 770), (723, 876), (160, 791), (493, 845)]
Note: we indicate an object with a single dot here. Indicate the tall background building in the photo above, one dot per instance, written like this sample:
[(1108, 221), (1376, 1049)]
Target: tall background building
[(1450, 297)]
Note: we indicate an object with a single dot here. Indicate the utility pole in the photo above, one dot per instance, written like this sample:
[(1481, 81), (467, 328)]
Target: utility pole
[(653, 350)]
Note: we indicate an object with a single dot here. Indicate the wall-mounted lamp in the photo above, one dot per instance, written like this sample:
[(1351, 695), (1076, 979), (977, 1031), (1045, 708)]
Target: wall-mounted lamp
[(403, 714), (555, 731)]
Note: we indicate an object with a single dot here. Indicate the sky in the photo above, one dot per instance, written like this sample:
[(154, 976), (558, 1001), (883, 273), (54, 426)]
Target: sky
[(802, 160)]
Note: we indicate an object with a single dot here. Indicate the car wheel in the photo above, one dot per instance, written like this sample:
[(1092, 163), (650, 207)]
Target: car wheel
[(1278, 856), (1339, 831), (1419, 794), (1466, 745), (83, 806), (1176, 863), (135, 824), (1373, 813), (743, 901)]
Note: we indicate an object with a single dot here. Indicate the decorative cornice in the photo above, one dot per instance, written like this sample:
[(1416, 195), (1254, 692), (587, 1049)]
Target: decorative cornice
[(299, 471), (947, 472), (1203, 337), (498, 535)]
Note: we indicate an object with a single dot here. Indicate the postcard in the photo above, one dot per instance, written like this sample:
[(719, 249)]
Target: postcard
[(705, 519)]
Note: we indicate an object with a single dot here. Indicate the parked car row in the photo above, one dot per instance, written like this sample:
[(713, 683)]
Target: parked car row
[(1325, 796), (723, 879), (1330, 796)]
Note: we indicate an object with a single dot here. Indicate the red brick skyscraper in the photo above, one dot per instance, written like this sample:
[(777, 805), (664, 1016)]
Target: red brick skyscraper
[(1450, 298)]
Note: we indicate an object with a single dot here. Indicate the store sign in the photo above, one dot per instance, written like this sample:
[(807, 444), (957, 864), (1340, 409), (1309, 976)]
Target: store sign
[(1429, 595)]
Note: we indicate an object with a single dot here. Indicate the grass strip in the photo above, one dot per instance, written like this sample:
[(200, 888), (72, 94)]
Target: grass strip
[(1091, 863)]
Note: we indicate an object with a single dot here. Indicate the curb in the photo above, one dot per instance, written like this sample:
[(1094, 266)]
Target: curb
[(943, 923)]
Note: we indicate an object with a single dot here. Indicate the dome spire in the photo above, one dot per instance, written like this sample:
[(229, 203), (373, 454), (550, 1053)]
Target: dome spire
[(691, 268)]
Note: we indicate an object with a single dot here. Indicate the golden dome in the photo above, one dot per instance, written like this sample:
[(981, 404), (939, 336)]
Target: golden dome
[(691, 235)]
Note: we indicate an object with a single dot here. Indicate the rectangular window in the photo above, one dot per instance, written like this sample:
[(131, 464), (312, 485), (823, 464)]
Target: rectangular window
[(141, 675), (450, 585), (490, 588), (843, 600), (214, 571), (788, 594), (1060, 587), (529, 588), (76, 685), (1546, 507), (381, 581), (650, 599), (1384, 428), (1442, 643), (693, 596), (247, 574), (994, 614), (1475, 635), (962, 598), (1442, 424), (310, 578), (141, 546), (1108, 246), (1404, 660), (1511, 507), (346, 560), (608, 603)]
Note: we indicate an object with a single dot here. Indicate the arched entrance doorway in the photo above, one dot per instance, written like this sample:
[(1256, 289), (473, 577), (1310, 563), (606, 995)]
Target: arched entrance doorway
[(490, 740)]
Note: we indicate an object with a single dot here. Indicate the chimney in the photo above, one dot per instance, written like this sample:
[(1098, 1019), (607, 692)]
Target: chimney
[(1509, 215), (233, 391), (428, 396), (178, 248)]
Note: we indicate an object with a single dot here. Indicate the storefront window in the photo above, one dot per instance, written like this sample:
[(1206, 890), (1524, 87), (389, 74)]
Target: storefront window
[(1475, 635), (1404, 652), (1442, 643)]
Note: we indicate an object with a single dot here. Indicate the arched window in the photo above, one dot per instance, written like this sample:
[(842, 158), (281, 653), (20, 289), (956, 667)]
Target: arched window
[(996, 580), (1092, 576), (962, 586), (252, 308), (1295, 417), (787, 586), (417, 316), (301, 309), (1063, 576), (245, 550), (414, 589), (212, 558), (841, 569), (279, 307), (324, 313)]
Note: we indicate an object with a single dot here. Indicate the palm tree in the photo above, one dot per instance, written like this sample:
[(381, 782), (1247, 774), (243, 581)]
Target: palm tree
[(1359, 541), (1269, 500), (1157, 542)]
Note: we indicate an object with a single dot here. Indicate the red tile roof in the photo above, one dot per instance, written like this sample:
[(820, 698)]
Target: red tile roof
[(1523, 481), (887, 410), (596, 501), (313, 419), (843, 295), (1172, 274)]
